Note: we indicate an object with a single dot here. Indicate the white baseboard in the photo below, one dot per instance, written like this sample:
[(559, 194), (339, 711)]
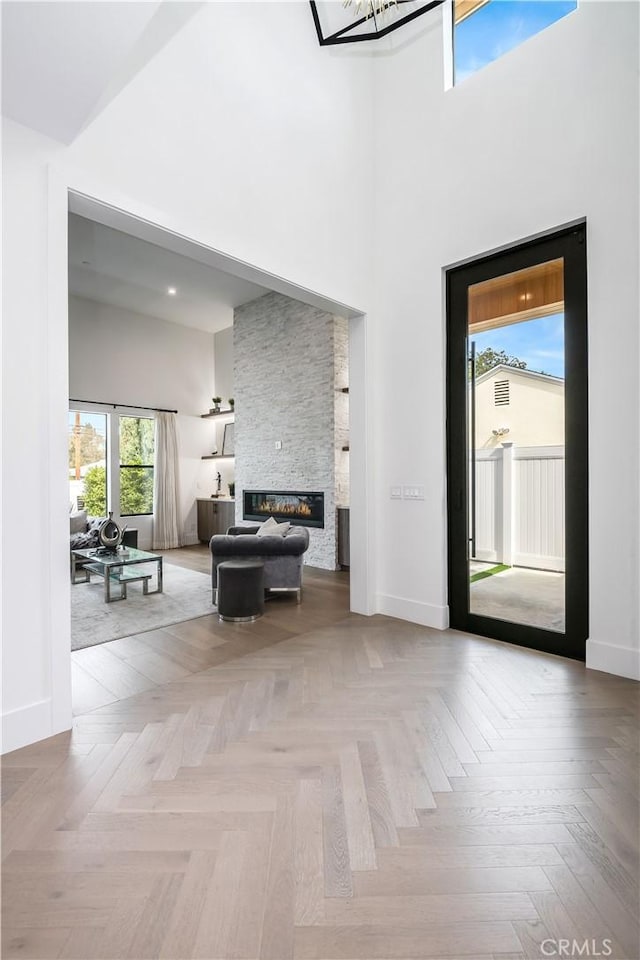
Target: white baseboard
[(622, 661), (26, 725), (426, 614)]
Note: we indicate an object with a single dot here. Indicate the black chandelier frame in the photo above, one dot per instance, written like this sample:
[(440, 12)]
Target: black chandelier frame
[(345, 34)]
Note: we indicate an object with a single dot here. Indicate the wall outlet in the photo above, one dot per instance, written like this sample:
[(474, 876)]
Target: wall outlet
[(278, 444), (413, 492), (396, 493)]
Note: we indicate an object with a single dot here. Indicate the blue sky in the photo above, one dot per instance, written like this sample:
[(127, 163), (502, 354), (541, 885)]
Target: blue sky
[(539, 342), (500, 26)]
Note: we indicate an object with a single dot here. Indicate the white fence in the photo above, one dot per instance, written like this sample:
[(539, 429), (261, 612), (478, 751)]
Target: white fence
[(520, 506)]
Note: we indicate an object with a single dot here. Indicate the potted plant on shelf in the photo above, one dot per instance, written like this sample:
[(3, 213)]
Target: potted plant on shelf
[(216, 401), (232, 403)]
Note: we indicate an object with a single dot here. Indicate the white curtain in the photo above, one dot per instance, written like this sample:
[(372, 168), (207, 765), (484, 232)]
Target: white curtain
[(166, 484)]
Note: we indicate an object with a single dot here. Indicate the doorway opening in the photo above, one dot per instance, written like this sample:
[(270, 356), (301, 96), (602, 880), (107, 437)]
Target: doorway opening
[(517, 444), (127, 350)]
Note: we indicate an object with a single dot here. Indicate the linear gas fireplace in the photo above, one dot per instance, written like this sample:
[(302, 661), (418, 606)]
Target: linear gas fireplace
[(302, 508)]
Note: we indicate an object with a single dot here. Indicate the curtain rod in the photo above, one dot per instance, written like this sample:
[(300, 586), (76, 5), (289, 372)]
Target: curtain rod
[(123, 406)]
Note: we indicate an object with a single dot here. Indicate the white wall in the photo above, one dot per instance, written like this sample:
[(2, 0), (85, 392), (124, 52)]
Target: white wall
[(259, 138), (544, 135), (148, 362), (241, 133), (223, 359)]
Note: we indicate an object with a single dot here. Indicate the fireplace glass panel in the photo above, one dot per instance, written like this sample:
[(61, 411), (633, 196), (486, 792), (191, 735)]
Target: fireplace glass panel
[(299, 507)]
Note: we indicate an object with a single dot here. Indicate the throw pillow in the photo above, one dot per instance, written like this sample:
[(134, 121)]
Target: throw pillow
[(78, 522), (271, 528)]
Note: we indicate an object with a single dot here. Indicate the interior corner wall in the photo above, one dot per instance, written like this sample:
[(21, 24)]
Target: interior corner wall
[(545, 135), (284, 375), (223, 356), (131, 358)]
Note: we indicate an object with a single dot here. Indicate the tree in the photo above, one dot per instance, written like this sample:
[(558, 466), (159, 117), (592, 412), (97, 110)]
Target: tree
[(95, 492), (489, 358), (136, 491), (136, 451)]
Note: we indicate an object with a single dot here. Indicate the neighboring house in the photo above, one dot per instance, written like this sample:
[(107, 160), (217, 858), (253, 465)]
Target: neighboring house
[(529, 405)]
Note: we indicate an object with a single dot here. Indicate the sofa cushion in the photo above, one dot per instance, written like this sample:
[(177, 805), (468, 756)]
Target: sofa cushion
[(271, 528), (88, 536), (78, 522)]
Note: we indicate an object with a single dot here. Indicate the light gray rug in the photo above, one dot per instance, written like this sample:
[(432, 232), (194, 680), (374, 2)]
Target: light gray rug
[(186, 594)]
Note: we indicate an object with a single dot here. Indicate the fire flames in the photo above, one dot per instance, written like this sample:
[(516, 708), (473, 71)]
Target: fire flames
[(300, 509)]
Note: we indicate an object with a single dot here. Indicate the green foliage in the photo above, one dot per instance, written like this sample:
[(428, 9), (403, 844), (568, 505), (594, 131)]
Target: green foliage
[(136, 440), (136, 491), (489, 358), (136, 448), (95, 492)]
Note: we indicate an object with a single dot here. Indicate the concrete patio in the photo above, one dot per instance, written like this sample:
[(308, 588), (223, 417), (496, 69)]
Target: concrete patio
[(521, 595)]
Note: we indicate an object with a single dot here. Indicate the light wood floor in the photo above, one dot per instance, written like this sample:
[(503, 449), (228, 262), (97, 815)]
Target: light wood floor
[(122, 668), (350, 788)]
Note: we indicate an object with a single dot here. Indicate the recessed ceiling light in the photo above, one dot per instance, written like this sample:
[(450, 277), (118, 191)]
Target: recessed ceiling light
[(172, 291)]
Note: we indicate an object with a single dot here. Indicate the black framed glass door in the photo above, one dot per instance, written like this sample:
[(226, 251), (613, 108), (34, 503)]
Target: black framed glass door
[(517, 449)]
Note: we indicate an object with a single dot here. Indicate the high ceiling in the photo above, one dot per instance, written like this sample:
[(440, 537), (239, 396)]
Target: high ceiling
[(63, 62), (124, 271)]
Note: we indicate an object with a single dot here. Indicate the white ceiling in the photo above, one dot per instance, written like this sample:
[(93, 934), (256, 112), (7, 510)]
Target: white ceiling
[(124, 271), (64, 61)]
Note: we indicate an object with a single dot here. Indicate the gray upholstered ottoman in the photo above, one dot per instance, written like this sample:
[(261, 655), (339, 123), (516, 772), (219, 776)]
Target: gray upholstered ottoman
[(240, 590)]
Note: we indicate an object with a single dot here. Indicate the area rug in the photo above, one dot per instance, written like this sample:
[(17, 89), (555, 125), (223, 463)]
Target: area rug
[(186, 595)]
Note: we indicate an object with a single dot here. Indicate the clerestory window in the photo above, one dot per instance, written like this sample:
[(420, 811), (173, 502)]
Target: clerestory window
[(486, 29)]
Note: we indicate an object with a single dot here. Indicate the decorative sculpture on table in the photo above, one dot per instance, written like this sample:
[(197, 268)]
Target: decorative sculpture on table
[(110, 535)]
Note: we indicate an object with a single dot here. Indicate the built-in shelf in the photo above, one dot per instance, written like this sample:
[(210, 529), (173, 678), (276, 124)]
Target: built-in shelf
[(218, 456), (220, 413)]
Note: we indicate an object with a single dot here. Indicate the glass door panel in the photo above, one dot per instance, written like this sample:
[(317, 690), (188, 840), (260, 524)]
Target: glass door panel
[(516, 443)]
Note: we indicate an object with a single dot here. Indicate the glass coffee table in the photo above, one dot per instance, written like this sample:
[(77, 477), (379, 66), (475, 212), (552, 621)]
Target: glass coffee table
[(126, 565)]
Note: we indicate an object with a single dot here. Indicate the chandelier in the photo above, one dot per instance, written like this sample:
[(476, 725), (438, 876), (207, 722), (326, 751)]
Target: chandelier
[(353, 21)]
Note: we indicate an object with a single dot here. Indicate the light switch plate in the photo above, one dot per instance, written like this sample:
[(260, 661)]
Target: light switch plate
[(413, 492), (396, 493), (278, 444)]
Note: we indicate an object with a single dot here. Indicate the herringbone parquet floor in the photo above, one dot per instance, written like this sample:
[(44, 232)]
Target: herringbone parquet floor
[(366, 789)]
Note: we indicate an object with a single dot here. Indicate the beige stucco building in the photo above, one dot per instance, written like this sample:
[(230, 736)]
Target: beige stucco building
[(519, 406)]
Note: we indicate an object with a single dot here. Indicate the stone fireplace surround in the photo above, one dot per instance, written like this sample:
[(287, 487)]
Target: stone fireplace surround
[(290, 373)]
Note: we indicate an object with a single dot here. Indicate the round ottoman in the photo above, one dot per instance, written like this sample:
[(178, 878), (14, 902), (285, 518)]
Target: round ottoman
[(240, 590)]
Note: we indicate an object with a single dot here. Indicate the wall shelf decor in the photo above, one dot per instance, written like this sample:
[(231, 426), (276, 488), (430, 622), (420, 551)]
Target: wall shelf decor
[(218, 456), (218, 413)]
